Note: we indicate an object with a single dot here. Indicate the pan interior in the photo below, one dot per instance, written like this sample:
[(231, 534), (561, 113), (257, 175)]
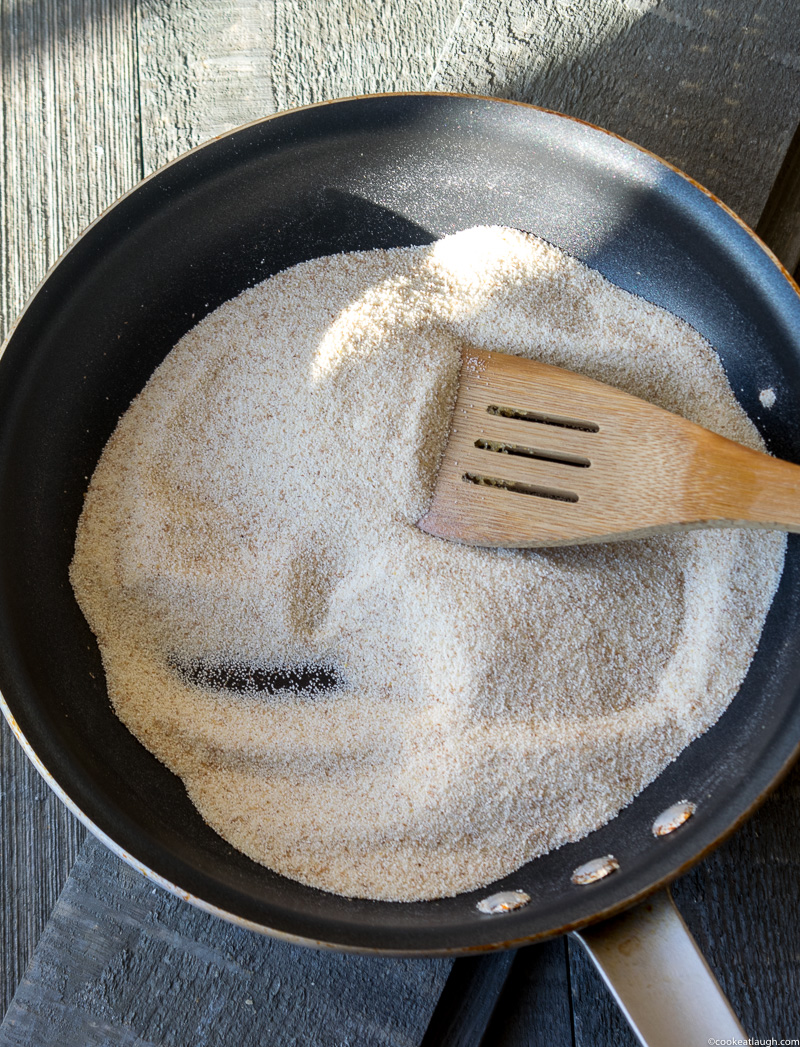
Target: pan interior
[(374, 172)]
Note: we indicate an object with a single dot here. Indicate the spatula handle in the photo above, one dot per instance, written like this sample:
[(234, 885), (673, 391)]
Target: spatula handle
[(736, 485)]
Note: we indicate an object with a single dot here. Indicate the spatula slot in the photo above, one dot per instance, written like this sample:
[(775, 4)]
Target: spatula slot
[(544, 419), (553, 493), (561, 457)]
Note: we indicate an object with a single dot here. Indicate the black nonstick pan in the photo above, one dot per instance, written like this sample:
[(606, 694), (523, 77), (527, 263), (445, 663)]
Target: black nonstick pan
[(379, 171)]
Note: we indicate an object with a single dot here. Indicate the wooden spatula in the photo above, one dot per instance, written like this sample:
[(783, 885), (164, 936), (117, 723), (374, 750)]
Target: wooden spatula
[(539, 456)]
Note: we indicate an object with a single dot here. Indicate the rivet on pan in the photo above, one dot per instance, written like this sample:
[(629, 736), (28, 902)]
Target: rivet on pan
[(503, 901), (669, 820), (596, 869)]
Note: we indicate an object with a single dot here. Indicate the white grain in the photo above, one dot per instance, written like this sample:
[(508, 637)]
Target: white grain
[(257, 505)]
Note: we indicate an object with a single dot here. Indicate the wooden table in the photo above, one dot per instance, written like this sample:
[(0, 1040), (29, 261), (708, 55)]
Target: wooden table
[(98, 93)]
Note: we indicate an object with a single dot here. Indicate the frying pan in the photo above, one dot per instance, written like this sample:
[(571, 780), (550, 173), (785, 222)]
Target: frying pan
[(379, 171)]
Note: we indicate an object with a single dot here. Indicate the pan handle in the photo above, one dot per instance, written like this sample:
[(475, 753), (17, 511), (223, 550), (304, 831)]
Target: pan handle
[(658, 976)]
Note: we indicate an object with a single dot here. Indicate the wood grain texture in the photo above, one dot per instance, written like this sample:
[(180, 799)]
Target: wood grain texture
[(468, 1000), (69, 147), (597, 1019), (534, 1007), (70, 143), (208, 66), (39, 841), (122, 962), (710, 87), (369, 46), (713, 88), (779, 225), (205, 68)]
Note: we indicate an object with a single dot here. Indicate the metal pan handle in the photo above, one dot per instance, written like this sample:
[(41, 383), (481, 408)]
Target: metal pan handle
[(660, 979)]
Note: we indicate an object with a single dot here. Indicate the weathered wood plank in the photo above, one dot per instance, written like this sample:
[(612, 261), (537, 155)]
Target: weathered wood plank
[(710, 87), (383, 45), (534, 1007), (69, 147), (743, 907), (39, 841), (205, 67), (468, 1000), (71, 143), (779, 225), (123, 962), (598, 1022)]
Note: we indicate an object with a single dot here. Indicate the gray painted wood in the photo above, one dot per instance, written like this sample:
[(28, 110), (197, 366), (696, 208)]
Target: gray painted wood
[(70, 119), (713, 88), (39, 841), (122, 962), (468, 1000), (205, 68), (69, 148), (597, 1019), (368, 47), (208, 66), (534, 1008)]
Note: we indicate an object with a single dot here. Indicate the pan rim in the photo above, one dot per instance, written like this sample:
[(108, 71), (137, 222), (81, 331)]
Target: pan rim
[(175, 889)]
